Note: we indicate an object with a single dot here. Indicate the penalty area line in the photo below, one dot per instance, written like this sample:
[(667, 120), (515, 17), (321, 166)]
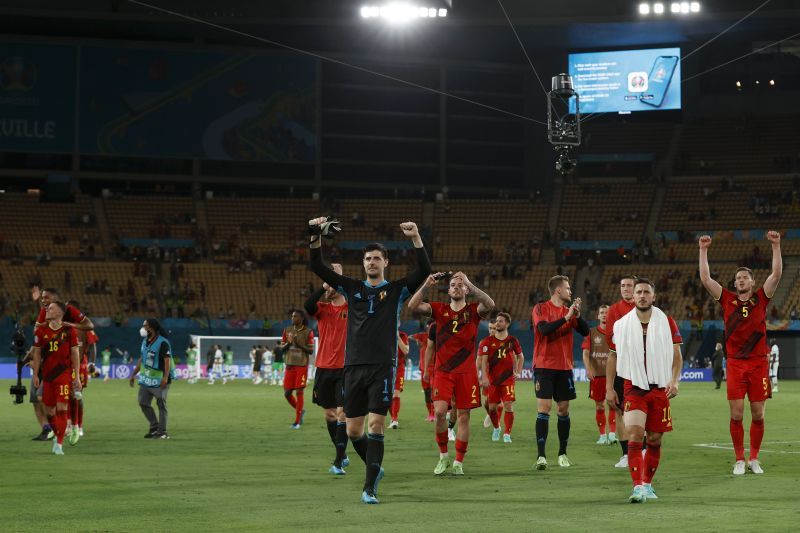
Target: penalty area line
[(729, 447)]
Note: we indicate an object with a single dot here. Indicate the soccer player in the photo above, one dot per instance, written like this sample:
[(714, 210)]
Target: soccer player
[(56, 352), (227, 371), (487, 421), (745, 315), (400, 377), (76, 404), (774, 362), (331, 315), (191, 363), (297, 343), (595, 356), (257, 358), (553, 322), (646, 353), (157, 370), (278, 367), (615, 312), (105, 363), (72, 318), (372, 321), (269, 357), (455, 378), (501, 363), (425, 368)]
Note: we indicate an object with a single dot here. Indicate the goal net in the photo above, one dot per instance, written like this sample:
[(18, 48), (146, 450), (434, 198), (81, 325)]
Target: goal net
[(240, 347)]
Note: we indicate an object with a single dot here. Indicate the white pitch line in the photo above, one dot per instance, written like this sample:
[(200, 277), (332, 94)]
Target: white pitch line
[(729, 447)]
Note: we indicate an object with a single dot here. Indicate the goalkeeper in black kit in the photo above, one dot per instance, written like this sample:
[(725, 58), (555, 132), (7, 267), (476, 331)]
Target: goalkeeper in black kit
[(369, 365)]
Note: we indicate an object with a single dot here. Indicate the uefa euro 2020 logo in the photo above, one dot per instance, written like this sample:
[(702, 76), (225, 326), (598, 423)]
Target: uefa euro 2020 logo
[(17, 74)]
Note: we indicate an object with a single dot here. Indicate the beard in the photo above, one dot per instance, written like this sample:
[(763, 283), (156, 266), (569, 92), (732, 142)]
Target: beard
[(645, 308), (459, 298), (743, 291)]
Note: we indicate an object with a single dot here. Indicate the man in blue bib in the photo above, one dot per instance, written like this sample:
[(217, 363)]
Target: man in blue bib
[(156, 369)]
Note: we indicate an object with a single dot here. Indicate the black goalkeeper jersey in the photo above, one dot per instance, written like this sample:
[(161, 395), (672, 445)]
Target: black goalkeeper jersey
[(373, 311)]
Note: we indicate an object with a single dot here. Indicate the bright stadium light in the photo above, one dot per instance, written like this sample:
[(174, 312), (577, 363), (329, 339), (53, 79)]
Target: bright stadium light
[(432, 12), (442, 12), (658, 8), (772, 82), (401, 12), (644, 9), (685, 7), (675, 7), (694, 7)]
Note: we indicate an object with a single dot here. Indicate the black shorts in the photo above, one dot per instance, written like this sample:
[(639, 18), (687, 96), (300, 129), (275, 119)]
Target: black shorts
[(328, 383), (368, 389), (257, 367), (619, 388), (555, 385)]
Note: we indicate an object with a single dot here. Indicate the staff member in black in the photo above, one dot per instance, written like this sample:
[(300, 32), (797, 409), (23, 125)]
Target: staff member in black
[(369, 364)]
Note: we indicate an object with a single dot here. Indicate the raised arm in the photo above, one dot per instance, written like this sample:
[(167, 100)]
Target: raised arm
[(713, 288), (318, 265), (414, 278), (777, 264), (415, 303), (310, 304), (485, 303)]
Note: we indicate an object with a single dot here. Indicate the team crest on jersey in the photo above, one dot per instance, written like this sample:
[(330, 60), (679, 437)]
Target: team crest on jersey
[(382, 296), (538, 386), (343, 315), (485, 348), (598, 339), (466, 316)]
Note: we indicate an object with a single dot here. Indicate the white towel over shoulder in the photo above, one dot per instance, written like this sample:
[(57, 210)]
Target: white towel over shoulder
[(628, 338)]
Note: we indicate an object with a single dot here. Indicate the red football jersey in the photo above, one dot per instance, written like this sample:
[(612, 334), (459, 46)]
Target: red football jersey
[(73, 315), (552, 351), (501, 356), (56, 346), (332, 327), (745, 324), (401, 357), (456, 335), (422, 342), (615, 312)]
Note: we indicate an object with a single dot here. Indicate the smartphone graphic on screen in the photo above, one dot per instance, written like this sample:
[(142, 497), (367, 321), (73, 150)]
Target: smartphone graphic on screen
[(659, 79)]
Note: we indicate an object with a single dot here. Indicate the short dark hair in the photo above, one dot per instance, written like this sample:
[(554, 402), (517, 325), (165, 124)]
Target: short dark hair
[(54, 292), (628, 276), (640, 281), (371, 247), (745, 269), (155, 325), (555, 282), (504, 315), (61, 306), (602, 306), (301, 313)]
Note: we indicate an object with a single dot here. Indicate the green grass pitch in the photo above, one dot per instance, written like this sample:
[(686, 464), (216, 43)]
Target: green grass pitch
[(234, 464)]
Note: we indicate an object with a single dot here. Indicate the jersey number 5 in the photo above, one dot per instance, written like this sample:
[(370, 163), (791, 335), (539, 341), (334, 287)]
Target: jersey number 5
[(745, 311)]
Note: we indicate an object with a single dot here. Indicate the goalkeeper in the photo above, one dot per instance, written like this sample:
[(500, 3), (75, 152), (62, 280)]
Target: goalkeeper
[(371, 346)]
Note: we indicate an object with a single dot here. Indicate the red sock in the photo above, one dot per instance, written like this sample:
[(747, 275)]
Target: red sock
[(756, 435), (60, 426), (635, 461), (612, 421), (600, 417), (651, 458), (430, 408), (737, 436), (290, 399), (441, 440), (298, 411), (499, 410), (461, 450), (508, 418), (395, 409), (80, 414), (495, 418)]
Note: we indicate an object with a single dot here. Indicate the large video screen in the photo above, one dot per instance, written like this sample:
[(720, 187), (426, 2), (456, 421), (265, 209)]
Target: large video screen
[(630, 80)]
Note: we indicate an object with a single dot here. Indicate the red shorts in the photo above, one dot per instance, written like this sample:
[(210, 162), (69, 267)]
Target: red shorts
[(597, 389), (654, 403), (84, 375), (295, 377), (426, 381), (749, 377), (58, 391), (464, 389), (502, 393)]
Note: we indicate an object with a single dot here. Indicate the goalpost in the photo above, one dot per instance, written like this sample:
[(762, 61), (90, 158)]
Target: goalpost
[(240, 346)]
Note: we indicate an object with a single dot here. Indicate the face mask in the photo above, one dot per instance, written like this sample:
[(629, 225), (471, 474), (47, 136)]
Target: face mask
[(143, 333)]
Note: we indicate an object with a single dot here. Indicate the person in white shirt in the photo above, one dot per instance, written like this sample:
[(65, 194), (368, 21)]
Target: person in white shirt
[(774, 360)]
